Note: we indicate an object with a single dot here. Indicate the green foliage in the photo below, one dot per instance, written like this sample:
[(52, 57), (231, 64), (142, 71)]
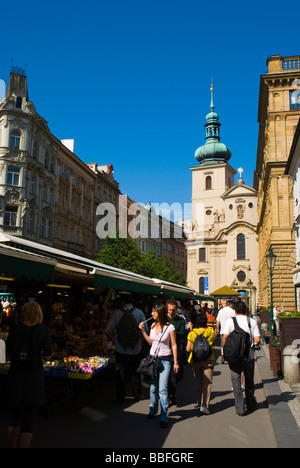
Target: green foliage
[(294, 314), (124, 253)]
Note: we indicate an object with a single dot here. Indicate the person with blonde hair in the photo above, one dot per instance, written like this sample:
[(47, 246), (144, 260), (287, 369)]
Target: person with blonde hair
[(28, 343)]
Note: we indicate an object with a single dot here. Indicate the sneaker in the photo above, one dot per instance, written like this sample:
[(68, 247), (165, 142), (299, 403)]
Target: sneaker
[(204, 410)]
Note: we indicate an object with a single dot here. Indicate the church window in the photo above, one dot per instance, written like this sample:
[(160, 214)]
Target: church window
[(202, 254), (250, 205), (208, 183), (201, 285), (15, 138), (241, 247), (241, 276), (19, 103), (231, 207)]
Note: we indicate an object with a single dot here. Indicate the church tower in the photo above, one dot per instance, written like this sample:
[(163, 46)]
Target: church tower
[(224, 220)]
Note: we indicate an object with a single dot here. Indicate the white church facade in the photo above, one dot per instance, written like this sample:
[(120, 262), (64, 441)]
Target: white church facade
[(222, 246)]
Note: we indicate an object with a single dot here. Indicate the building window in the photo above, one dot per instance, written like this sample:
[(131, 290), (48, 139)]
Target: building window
[(50, 230), (33, 185), (44, 192), (15, 139), (10, 215), (202, 254), (13, 176), (295, 99), (43, 227), (31, 223), (241, 276), (201, 285), (19, 103), (208, 183), (241, 247), (35, 151)]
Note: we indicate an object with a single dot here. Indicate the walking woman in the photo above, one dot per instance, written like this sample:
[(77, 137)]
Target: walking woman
[(28, 342), (203, 370), (162, 334)]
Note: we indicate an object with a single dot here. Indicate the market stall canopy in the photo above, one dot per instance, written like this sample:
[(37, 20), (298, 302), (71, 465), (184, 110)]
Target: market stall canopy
[(103, 276), (19, 264), (174, 290), (225, 291), (204, 298)]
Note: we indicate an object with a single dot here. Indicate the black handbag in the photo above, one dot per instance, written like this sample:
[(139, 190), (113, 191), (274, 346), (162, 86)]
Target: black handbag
[(151, 365)]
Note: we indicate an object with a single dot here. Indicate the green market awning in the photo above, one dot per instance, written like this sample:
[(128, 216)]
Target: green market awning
[(24, 268), (104, 279), (174, 290), (18, 263)]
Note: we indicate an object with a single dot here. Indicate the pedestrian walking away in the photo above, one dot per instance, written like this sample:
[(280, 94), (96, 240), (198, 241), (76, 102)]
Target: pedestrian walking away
[(224, 314), (179, 325), (245, 365), (162, 336), (203, 369), (123, 328), (27, 344)]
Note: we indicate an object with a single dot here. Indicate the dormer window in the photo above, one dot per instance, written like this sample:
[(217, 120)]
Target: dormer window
[(19, 102)]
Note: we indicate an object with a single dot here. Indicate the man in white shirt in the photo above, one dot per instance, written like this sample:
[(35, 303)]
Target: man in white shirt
[(247, 365), (224, 314)]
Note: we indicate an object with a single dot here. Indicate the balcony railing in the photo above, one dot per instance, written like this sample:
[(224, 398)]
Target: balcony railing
[(290, 63)]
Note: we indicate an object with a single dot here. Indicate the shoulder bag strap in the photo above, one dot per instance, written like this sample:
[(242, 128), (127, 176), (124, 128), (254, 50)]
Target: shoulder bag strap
[(158, 345)]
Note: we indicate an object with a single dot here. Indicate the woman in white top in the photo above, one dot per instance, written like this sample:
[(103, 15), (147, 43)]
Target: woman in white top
[(162, 337)]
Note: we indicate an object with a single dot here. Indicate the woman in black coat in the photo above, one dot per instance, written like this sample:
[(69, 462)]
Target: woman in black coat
[(27, 344)]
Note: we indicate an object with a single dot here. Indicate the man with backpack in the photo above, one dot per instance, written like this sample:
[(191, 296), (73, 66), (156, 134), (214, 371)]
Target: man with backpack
[(241, 337), (123, 327)]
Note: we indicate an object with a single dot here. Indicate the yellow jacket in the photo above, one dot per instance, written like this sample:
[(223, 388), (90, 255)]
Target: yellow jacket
[(209, 334)]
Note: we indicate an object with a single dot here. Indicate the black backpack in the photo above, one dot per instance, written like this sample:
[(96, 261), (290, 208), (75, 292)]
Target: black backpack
[(237, 345), (201, 348), (128, 331)]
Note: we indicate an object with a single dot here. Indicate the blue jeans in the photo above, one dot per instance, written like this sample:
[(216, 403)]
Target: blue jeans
[(159, 389)]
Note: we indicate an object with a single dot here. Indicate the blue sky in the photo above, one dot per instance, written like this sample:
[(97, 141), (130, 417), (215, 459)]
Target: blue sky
[(130, 80)]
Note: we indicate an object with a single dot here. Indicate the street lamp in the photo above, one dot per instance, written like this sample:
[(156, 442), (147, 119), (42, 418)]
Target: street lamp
[(250, 285), (271, 259)]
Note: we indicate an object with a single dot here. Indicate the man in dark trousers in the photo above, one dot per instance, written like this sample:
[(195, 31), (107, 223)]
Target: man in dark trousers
[(247, 365), (128, 349), (179, 325)]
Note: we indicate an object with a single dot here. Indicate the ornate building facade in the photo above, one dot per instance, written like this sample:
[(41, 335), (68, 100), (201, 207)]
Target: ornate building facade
[(28, 159), (222, 247), (47, 194), (278, 116)]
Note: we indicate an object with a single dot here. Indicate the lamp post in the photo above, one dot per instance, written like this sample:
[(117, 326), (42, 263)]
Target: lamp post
[(250, 285), (271, 259)]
